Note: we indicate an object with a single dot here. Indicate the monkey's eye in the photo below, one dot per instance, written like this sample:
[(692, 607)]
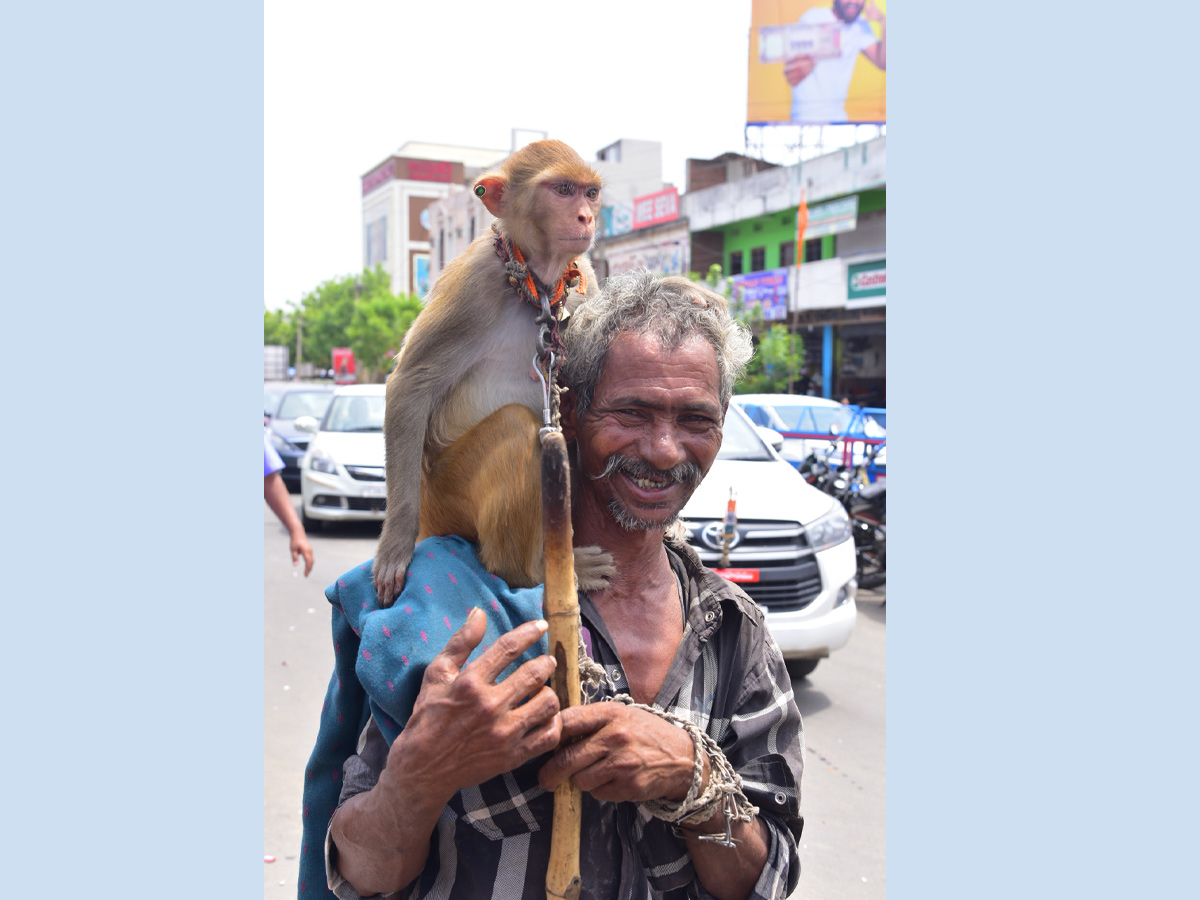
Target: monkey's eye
[(593, 193), (565, 188)]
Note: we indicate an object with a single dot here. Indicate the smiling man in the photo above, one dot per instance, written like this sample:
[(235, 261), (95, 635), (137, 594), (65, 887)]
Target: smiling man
[(691, 771)]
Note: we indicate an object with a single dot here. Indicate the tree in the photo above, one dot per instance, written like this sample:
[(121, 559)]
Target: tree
[(378, 325), (279, 328)]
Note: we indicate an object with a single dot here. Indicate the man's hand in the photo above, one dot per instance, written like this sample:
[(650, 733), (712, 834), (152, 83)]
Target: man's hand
[(871, 12), (301, 547), (623, 753), (797, 68), (465, 728)]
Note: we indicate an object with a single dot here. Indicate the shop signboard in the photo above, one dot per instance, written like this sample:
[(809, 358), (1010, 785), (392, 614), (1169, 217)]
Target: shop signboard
[(865, 280)]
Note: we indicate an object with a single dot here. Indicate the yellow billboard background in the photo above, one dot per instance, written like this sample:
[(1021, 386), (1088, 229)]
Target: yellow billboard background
[(769, 96)]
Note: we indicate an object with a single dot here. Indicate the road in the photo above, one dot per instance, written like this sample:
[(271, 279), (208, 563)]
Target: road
[(843, 703)]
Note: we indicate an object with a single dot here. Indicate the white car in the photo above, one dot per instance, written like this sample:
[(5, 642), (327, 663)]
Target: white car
[(341, 474), (811, 425), (791, 549)]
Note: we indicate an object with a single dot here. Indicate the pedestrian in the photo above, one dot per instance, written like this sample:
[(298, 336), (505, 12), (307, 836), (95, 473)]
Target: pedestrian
[(276, 494), (689, 757)]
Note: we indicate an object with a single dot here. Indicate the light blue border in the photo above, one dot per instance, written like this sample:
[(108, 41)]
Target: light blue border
[(133, 260), (1041, 380)]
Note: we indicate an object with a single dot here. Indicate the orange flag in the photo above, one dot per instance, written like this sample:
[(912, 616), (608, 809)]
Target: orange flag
[(801, 224)]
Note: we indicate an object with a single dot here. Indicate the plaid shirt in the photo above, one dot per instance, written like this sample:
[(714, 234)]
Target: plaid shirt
[(728, 677)]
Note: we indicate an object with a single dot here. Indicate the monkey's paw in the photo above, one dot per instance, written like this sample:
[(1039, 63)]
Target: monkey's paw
[(593, 568), (390, 570)]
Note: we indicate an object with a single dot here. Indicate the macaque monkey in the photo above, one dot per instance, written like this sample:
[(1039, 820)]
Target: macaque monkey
[(464, 401)]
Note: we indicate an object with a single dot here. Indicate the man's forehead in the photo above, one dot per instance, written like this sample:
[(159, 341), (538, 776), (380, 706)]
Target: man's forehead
[(639, 367)]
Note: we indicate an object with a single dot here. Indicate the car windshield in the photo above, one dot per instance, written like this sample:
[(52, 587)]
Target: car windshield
[(355, 412), (740, 439), (270, 400), (304, 403)]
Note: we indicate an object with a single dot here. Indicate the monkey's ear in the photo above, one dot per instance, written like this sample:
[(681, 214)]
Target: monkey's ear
[(490, 189)]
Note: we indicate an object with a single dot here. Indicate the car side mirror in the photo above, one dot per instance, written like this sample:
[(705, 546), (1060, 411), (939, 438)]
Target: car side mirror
[(771, 436), (307, 423)]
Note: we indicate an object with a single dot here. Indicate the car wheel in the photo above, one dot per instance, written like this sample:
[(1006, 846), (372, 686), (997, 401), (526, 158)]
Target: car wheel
[(801, 668)]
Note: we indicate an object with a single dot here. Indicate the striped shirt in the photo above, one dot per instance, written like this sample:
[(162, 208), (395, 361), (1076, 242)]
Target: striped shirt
[(728, 677)]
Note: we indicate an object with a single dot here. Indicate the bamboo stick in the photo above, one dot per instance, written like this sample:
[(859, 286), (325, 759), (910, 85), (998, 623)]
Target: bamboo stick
[(561, 608)]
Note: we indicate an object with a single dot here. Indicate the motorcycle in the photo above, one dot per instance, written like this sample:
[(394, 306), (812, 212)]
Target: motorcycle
[(865, 502)]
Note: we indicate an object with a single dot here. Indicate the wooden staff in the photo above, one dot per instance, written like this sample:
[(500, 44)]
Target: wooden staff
[(561, 608)]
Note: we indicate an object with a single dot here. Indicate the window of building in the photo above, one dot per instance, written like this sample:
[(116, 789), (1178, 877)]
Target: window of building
[(787, 253), (812, 250), (758, 259), (735, 262)]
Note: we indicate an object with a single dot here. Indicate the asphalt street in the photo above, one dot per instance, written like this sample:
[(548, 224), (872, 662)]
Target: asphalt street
[(843, 703)]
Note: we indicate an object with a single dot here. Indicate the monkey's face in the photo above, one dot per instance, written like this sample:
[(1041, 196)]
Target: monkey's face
[(571, 208), (652, 431)]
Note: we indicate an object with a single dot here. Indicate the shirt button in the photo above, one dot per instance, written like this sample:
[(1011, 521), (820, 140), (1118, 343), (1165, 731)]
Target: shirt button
[(709, 616)]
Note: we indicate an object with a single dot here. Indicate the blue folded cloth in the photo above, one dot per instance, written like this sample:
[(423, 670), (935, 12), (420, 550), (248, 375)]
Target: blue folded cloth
[(380, 656)]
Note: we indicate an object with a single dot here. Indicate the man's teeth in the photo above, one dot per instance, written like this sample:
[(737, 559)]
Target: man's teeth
[(650, 485)]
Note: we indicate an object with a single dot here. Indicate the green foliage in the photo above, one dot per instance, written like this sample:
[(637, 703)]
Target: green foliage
[(359, 312), (778, 361), (278, 328)]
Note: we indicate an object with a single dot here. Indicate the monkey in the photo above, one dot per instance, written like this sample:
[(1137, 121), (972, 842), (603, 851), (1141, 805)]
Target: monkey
[(463, 402)]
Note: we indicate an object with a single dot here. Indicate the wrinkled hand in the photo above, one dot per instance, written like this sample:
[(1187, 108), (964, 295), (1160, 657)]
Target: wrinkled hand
[(623, 753), (465, 728), (798, 68)]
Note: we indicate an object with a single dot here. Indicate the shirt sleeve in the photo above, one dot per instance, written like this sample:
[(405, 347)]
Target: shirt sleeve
[(272, 461), (360, 773)]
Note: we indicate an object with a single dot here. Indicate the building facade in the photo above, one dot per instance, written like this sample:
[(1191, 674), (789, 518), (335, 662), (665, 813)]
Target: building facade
[(395, 194), (832, 290)]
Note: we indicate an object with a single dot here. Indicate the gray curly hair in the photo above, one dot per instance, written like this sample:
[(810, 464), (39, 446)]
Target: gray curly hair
[(672, 309)]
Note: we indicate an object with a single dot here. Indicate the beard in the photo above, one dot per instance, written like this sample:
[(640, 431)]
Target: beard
[(687, 474), (839, 10)]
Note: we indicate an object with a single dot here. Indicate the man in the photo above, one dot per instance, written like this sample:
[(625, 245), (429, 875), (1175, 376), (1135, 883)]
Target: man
[(459, 805), (820, 84)]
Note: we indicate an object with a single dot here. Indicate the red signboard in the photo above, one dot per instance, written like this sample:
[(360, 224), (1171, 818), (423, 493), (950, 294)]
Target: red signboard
[(427, 170), (655, 208), (378, 176), (343, 365)]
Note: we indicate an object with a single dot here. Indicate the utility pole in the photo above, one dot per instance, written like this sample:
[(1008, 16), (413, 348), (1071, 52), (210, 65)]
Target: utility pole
[(299, 336)]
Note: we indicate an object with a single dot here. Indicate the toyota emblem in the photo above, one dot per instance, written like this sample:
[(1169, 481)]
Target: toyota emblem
[(713, 536)]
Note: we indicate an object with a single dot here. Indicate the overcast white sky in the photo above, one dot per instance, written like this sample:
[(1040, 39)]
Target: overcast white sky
[(346, 84)]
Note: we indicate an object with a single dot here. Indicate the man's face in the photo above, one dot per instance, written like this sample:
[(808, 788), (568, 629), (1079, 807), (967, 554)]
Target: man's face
[(847, 10), (652, 431)]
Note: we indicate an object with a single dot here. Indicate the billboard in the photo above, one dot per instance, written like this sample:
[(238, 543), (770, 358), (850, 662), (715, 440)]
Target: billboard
[(817, 62), (766, 290)]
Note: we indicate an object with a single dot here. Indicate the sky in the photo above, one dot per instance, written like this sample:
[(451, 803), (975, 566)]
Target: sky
[(347, 84)]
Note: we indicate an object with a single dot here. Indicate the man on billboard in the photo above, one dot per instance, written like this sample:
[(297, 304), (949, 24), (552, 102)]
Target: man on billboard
[(831, 40)]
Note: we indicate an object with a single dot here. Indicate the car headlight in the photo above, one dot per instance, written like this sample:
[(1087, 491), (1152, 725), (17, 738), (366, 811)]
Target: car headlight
[(320, 461), (830, 529)]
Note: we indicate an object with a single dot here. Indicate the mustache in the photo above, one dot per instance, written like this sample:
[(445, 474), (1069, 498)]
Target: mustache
[(685, 473)]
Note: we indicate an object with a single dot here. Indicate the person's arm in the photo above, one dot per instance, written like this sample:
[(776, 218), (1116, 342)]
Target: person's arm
[(797, 68), (628, 754), (877, 53), (464, 729), (275, 492)]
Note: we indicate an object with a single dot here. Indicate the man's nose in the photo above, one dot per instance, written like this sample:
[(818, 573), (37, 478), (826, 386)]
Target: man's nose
[(663, 449)]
